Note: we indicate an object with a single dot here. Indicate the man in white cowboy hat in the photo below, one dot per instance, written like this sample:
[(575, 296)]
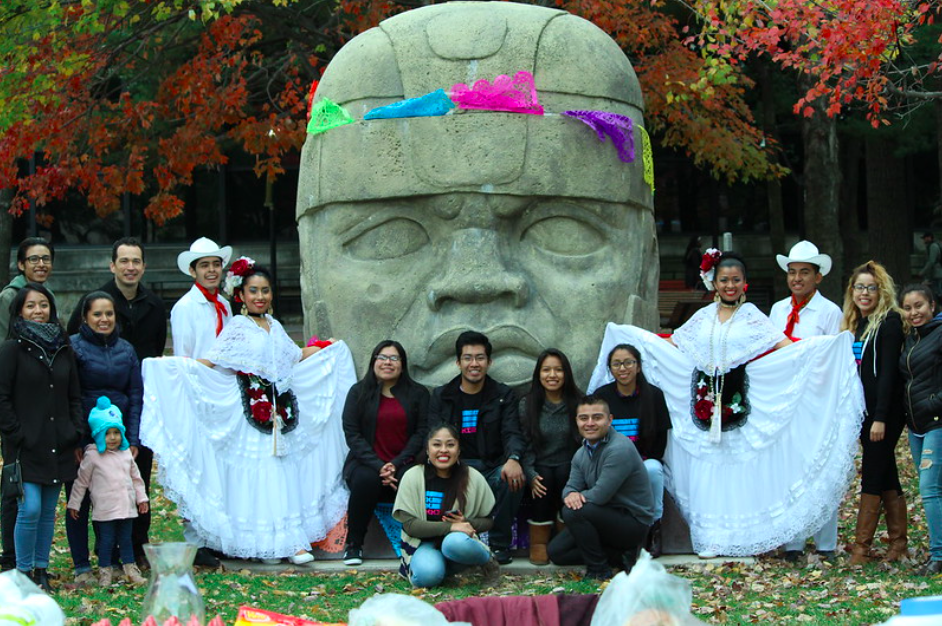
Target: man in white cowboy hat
[(195, 321), (199, 316), (807, 313)]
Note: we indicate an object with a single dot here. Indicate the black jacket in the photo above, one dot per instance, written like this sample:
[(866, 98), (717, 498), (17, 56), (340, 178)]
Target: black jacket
[(40, 411), (108, 366), (359, 425), (921, 365), (879, 371), (499, 435), (142, 321)]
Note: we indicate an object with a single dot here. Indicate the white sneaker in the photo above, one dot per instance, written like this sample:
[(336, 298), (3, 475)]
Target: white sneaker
[(708, 554), (302, 558), (270, 561)]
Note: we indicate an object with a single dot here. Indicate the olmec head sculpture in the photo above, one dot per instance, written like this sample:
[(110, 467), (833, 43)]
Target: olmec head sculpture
[(524, 227)]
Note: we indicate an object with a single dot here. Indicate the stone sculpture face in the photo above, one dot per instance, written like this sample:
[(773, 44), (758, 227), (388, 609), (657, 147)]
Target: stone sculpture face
[(526, 228)]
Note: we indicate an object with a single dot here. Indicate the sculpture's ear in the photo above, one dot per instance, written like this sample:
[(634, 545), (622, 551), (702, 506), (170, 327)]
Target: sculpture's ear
[(641, 313)]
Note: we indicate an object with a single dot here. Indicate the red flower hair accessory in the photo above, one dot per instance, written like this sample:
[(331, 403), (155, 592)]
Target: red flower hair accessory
[(236, 274), (708, 267)]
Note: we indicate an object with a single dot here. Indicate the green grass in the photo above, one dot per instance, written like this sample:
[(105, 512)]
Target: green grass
[(770, 591)]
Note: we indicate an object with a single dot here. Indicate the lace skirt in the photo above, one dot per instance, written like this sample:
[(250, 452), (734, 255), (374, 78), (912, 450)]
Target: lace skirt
[(245, 493), (784, 470)]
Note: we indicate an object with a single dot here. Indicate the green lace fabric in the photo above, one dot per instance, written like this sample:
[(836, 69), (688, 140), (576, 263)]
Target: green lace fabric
[(327, 115), (647, 157)]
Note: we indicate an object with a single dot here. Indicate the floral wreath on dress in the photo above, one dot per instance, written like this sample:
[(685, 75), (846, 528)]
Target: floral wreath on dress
[(734, 411), (236, 275), (261, 402), (708, 267)]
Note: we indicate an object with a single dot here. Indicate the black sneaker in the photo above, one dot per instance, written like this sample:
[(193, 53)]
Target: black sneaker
[(353, 556), (792, 556), (205, 558), (503, 556), (598, 574)]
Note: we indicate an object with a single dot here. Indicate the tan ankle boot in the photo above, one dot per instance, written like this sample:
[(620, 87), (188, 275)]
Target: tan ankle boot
[(894, 505), (868, 515), (104, 576), (539, 537), (134, 574)]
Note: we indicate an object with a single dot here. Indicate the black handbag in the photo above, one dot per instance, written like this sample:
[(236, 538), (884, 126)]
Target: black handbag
[(12, 476)]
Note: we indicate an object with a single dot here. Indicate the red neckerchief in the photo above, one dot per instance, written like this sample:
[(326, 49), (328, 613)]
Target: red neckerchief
[(219, 306), (793, 316)]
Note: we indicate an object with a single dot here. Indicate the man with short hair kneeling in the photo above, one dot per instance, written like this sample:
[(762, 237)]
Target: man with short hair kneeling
[(608, 505)]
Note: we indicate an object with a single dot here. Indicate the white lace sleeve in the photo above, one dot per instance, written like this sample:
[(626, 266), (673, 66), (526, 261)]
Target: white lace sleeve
[(244, 347), (751, 333)]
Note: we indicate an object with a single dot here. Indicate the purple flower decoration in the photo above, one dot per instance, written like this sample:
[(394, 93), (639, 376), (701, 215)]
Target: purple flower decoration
[(605, 124)]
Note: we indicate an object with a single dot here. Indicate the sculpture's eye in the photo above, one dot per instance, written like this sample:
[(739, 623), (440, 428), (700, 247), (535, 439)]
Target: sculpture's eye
[(565, 236), (390, 239)]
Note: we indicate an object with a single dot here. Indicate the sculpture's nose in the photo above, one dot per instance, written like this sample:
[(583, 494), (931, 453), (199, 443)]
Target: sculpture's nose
[(475, 272)]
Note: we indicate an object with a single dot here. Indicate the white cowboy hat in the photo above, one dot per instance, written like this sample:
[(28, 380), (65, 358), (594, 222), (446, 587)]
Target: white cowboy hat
[(805, 252), (202, 247)]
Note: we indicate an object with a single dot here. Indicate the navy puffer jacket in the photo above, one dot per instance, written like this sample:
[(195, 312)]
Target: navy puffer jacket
[(921, 364), (108, 366)]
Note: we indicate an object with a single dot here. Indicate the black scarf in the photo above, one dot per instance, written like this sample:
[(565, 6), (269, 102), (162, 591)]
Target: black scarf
[(47, 337)]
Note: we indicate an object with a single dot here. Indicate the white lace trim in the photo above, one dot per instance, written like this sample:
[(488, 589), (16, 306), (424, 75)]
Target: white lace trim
[(749, 334), (244, 346)]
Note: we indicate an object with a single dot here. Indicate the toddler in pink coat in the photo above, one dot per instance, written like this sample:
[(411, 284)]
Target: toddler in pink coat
[(108, 472)]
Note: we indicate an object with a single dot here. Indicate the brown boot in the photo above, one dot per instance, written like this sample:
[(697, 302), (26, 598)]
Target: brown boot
[(868, 515), (133, 574), (539, 537), (894, 505)]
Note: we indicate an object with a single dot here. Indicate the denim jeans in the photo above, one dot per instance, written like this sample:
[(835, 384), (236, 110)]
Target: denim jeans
[(926, 455), (111, 532), (35, 521), (506, 505), (429, 565), (656, 476), (76, 531)]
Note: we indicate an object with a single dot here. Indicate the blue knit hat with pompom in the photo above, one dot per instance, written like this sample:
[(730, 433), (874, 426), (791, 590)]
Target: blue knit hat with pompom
[(104, 416)]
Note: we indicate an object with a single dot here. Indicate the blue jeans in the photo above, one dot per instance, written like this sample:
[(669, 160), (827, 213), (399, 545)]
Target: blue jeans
[(656, 476), (926, 455), (429, 565), (111, 532), (35, 521)]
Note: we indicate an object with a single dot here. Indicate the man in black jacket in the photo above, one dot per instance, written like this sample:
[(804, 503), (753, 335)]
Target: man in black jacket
[(485, 412), (142, 322)]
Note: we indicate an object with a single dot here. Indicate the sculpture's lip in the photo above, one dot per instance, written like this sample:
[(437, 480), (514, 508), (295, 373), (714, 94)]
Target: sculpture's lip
[(513, 347)]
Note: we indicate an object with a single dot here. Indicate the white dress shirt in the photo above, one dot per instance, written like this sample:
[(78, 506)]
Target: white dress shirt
[(193, 324), (819, 317)]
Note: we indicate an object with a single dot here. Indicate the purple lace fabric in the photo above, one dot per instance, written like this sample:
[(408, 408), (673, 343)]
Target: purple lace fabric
[(513, 95), (605, 124)]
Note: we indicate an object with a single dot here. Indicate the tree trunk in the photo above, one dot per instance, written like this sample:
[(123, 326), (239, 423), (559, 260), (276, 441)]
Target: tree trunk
[(822, 177), (6, 234), (851, 148), (773, 188), (888, 216)]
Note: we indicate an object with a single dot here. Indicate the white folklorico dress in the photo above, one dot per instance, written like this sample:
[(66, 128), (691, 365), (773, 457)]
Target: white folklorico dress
[(250, 487), (782, 468)]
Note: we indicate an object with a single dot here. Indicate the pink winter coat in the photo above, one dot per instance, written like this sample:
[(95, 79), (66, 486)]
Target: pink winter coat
[(114, 481)]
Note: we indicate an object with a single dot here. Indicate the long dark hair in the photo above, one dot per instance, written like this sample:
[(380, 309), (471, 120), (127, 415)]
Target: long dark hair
[(536, 396), (371, 385), (458, 488), (17, 305), (646, 420)]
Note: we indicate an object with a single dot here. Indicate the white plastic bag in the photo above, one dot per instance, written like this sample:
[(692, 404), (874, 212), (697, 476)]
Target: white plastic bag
[(24, 604), (648, 596), (393, 609)]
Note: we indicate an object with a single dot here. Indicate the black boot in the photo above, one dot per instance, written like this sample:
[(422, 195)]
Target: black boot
[(41, 578), (653, 543)]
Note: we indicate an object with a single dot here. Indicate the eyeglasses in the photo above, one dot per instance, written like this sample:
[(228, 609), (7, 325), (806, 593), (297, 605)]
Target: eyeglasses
[(617, 365), (35, 259), (859, 288), (392, 358), (476, 358)]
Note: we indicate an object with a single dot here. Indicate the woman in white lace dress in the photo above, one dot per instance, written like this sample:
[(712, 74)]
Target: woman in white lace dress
[(769, 460), (251, 447)]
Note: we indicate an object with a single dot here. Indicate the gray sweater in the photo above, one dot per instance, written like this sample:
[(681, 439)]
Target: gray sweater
[(613, 475)]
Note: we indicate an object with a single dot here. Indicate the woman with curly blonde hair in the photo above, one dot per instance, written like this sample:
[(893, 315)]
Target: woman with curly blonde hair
[(872, 315)]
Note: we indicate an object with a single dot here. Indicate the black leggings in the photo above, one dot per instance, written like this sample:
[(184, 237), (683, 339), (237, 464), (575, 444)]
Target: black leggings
[(366, 491), (878, 472), (554, 478)]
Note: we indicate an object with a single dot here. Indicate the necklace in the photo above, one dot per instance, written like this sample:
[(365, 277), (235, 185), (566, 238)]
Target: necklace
[(729, 305), (718, 373)]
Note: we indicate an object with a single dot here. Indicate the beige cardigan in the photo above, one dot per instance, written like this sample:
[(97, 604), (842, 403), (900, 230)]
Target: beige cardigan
[(410, 502)]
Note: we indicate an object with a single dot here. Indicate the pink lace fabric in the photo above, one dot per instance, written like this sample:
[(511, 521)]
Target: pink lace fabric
[(513, 95)]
